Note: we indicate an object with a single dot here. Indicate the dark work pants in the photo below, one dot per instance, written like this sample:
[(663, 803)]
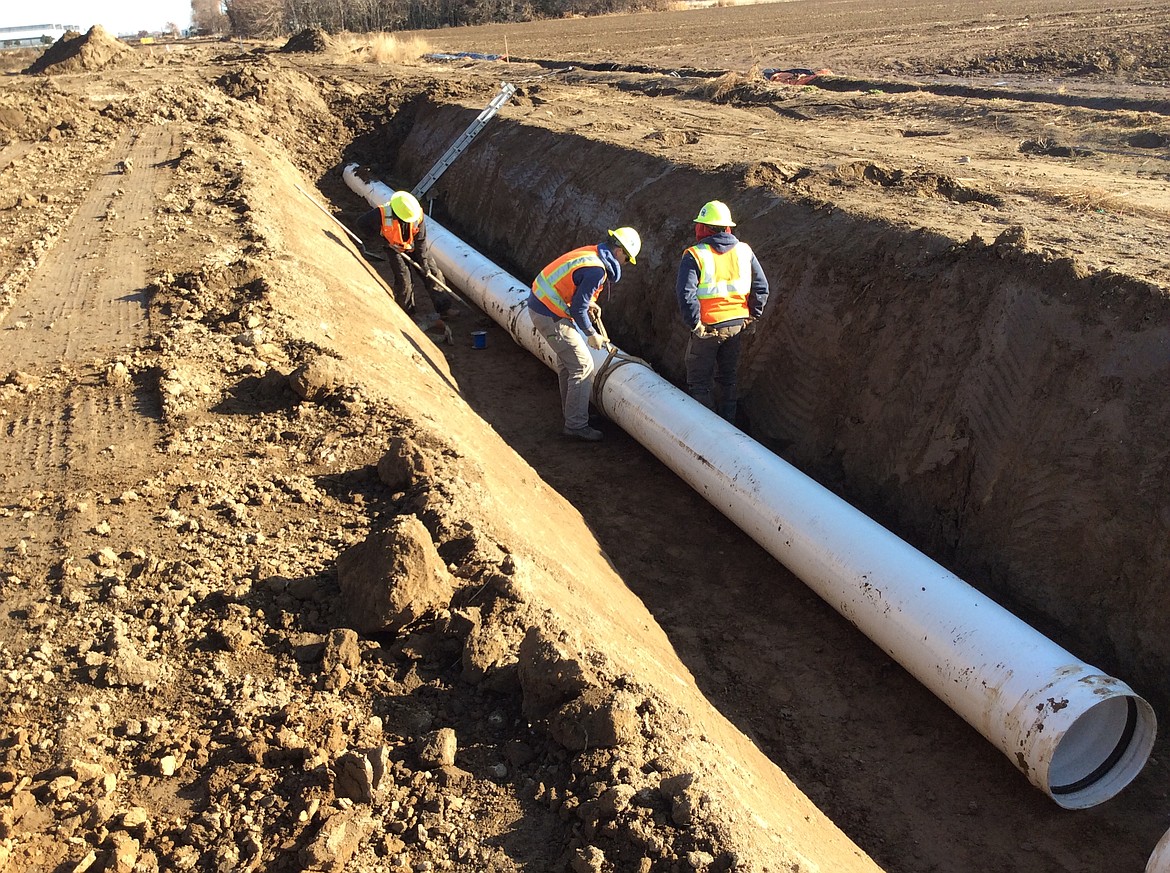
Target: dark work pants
[(407, 283), (403, 281), (712, 364)]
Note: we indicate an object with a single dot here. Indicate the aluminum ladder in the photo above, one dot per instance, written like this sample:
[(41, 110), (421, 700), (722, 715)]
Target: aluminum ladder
[(460, 145)]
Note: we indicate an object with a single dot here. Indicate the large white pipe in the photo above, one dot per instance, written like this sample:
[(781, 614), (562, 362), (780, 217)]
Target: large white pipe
[(1160, 859), (1079, 735)]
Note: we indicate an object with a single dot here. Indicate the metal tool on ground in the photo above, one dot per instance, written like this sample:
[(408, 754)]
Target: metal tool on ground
[(459, 146), (357, 239)]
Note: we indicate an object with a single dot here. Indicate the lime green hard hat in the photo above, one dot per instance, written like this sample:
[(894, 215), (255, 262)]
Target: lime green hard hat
[(715, 214), (629, 240), (405, 206)]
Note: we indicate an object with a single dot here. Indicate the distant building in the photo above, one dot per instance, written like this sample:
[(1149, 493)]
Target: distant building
[(33, 34)]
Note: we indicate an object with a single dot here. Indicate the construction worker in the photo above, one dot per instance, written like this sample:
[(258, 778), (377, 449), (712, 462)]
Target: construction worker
[(559, 306), (401, 224), (721, 289)]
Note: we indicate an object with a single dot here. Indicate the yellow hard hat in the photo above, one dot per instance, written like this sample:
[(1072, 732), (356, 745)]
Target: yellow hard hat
[(629, 240), (405, 206), (715, 214)]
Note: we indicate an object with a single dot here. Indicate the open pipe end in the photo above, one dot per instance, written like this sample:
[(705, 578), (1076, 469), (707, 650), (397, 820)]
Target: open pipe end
[(1102, 751)]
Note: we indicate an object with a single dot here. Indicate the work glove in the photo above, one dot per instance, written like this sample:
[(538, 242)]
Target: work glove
[(749, 326), (596, 341), (699, 331)]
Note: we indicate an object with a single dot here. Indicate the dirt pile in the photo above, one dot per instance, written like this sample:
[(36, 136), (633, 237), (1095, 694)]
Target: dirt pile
[(74, 52), (46, 113), (313, 40)]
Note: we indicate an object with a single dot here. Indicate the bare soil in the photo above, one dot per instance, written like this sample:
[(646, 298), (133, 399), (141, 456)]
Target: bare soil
[(226, 447)]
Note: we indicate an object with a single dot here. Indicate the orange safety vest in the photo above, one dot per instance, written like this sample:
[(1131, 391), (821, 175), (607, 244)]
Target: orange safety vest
[(725, 278), (392, 232), (554, 286)]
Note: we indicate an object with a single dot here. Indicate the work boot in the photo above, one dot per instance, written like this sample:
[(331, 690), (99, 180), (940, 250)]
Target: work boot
[(586, 433)]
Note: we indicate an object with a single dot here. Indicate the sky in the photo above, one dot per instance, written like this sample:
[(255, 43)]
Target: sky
[(116, 16)]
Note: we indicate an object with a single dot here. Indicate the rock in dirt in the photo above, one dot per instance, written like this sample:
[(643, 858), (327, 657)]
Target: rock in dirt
[(488, 654), (318, 378), (437, 749), (354, 778), (341, 649), (123, 852), (589, 859), (549, 677), (598, 719), (404, 465), (127, 668), (337, 841), (393, 578)]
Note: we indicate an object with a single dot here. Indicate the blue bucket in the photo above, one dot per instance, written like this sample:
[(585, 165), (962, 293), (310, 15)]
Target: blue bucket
[(479, 339)]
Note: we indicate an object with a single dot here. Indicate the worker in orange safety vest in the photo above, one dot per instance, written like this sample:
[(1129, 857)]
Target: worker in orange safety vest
[(402, 226), (721, 290), (559, 307)]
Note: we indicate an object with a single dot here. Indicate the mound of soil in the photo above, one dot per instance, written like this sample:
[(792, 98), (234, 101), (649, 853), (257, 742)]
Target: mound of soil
[(312, 40), (73, 52)]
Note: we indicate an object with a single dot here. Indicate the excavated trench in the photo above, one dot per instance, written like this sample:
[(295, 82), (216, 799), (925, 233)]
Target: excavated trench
[(993, 407)]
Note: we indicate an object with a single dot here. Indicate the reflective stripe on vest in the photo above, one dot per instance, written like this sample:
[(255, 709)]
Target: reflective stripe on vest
[(392, 232), (724, 282), (554, 287)]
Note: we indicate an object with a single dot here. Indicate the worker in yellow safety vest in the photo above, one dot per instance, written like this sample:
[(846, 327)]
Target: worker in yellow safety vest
[(721, 290), (401, 224), (559, 307)]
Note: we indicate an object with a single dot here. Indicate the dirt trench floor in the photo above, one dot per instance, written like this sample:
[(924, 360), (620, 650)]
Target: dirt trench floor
[(186, 690)]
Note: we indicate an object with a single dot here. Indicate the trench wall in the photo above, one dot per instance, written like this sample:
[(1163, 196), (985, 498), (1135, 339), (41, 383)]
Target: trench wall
[(1003, 412)]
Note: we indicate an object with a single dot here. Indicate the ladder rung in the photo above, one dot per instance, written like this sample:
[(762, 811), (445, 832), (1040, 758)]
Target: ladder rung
[(461, 143)]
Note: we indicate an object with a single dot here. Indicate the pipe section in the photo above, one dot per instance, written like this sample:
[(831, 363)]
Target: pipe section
[(1079, 735), (1160, 859)]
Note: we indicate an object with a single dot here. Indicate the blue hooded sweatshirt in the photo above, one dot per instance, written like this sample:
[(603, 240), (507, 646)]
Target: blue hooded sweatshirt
[(588, 281), (687, 286)]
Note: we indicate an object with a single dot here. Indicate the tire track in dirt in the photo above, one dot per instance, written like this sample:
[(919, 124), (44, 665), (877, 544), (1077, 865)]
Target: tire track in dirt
[(810, 326), (87, 276), (33, 434), (997, 398), (84, 307)]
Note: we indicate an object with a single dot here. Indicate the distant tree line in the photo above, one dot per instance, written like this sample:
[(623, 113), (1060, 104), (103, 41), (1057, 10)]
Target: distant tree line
[(271, 18)]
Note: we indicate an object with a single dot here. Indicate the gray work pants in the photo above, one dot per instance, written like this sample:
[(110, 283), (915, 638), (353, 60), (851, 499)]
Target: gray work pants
[(574, 366)]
